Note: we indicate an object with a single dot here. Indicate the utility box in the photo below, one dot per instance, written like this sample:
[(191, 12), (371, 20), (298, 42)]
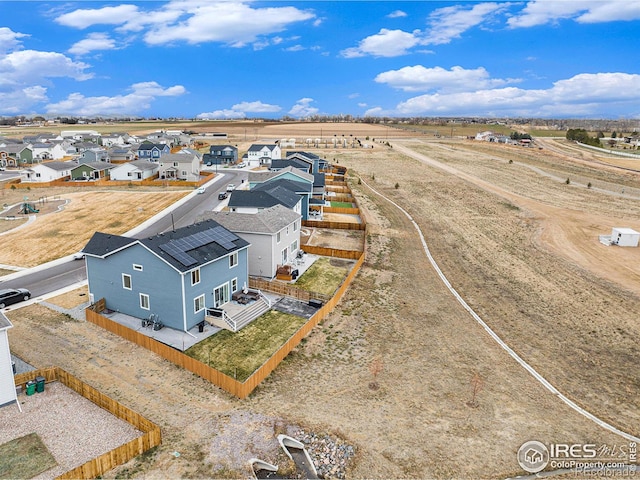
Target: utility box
[(625, 237)]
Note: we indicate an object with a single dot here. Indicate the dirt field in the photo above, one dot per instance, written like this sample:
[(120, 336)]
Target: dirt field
[(66, 221), (517, 242)]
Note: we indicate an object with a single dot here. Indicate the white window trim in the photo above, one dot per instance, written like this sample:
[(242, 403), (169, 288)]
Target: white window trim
[(130, 287), (137, 267), (195, 272), (198, 299), (278, 237), (148, 307), (234, 285), (233, 256)]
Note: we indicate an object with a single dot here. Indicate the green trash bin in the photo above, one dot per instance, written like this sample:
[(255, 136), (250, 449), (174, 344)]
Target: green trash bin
[(40, 384), (31, 387)]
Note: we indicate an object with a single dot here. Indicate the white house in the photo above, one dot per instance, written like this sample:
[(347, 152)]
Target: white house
[(624, 237), (48, 171), (179, 166), (136, 170), (262, 154), (48, 151), (274, 235), (7, 386)]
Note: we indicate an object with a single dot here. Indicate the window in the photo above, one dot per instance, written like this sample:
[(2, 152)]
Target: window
[(278, 237), (294, 246), (295, 226), (195, 276), (221, 295), (183, 173), (284, 256), (233, 259), (144, 301), (198, 304), (126, 281), (137, 267), (175, 164), (234, 285)]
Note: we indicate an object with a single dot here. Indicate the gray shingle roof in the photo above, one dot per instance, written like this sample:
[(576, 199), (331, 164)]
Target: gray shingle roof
[(103, 245), (270, 220), (263, 199)]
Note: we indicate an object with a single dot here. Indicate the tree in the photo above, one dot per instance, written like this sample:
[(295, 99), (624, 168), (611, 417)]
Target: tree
[(375, 368), (477, 384)]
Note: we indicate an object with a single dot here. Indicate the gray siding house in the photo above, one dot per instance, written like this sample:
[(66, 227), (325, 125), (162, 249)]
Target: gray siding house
[(274, 235), (175, 276)]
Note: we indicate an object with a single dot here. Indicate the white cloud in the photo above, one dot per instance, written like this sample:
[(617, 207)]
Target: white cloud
[(421, 79), (23, 73), (84, 18), (239, 110), (302, 108), (295, 48), (451, 22), (93, 42), (445, 24), (233, 23), (21, 100), (140, 99), (29, 67), (582, 95), (397, 14), (540, 12), (220, 114), (257, 107), (385, 43), (9, 40)]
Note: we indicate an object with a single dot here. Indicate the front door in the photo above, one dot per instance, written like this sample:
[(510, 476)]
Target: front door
[(221, 295)]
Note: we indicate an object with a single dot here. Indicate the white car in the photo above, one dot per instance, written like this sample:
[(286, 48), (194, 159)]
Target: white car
[(231, 187), (200, 190)]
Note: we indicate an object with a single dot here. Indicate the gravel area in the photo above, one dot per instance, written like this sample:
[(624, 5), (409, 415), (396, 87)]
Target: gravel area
[(74, 429)]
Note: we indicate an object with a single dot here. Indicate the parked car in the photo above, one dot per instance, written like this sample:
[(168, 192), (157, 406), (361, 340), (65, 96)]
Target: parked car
[(200, 190), (9, 296), (231, 187), (78, 255), (222, 195)]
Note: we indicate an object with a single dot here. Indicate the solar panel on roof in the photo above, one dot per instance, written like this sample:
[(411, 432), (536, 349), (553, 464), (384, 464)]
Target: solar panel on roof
[(178, 248), (180, 255)]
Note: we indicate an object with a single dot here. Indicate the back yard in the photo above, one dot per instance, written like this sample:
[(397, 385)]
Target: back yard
[(517, 243)]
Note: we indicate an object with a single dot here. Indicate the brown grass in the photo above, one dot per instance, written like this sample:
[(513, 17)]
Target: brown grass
[(518, 245), (63, 232)]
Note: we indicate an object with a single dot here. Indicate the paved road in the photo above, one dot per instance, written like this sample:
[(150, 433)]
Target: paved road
[(65, 272)]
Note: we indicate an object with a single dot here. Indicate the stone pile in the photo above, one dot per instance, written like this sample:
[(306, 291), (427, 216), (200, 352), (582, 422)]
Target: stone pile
[(331, 456)]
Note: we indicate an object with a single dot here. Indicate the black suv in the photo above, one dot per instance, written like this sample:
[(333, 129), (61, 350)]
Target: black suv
[(222, 195), (10, 296)]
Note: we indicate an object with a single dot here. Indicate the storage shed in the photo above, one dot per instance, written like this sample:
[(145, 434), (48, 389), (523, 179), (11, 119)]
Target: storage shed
[(624, 237)]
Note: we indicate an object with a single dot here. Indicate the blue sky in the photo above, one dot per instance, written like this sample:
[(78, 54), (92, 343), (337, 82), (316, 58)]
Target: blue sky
[(235, 59)]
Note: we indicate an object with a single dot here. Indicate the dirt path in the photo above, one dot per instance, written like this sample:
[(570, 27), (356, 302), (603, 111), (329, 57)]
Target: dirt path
[(566, 232), (578, 329)]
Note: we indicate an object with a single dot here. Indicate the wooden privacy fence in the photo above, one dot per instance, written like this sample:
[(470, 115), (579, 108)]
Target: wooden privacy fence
[(331, 252), (96, 467), (286, 289), (334, 225), (346, 210), (225, 382)]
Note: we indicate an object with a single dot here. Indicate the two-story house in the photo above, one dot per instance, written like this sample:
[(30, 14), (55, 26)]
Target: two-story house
[(175, 276), (179, 166), (263, 154), (221, 155), (273, 234), (152, 151)]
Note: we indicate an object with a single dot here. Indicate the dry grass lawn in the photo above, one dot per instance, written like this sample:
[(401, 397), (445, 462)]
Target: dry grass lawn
[(517, 242), (56, 233)]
